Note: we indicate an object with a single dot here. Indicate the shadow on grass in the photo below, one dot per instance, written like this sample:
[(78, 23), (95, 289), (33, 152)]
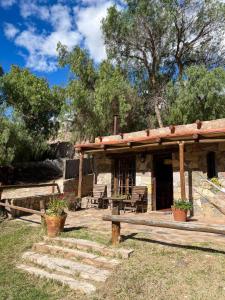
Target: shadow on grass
[(68, 229), (188, 247), (29, 221)]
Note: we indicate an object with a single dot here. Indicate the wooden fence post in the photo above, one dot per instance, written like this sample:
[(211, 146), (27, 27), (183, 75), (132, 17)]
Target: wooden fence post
[(2, 209), (42, 210), (115, 227), (53, 188)]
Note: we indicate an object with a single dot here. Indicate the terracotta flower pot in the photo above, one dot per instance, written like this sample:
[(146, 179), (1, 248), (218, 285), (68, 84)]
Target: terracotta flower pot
[(55, 224), (179, 215)]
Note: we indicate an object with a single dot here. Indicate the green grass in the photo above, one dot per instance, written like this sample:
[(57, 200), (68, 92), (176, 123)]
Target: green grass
[(15, 238), (154, 271)]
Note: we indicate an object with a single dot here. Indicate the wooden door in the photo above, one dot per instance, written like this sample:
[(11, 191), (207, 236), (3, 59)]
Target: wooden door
[(124, 174)]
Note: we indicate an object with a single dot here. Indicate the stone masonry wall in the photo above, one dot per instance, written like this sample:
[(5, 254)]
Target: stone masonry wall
[(197, 191), (103, 172)]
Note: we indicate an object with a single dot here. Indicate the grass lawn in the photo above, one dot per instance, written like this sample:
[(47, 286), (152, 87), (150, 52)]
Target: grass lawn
[(153, 272)]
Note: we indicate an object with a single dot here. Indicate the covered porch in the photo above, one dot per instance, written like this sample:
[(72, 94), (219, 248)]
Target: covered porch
[(160, 159)]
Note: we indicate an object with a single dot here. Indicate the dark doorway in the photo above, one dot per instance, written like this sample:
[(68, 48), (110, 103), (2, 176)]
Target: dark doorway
[(163, 178)]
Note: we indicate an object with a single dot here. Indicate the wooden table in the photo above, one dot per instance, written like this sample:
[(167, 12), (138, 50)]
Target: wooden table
[(116, 201)]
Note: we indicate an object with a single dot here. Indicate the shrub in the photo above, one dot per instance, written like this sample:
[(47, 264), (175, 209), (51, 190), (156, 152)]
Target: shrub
[(216, 181), (56, 207), (182, 204)]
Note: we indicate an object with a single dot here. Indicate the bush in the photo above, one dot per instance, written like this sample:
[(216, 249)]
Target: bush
[(56, 207), (182, 204)]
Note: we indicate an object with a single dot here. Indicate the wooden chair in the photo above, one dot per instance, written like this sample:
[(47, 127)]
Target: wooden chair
[(138, 201), (98, 198)]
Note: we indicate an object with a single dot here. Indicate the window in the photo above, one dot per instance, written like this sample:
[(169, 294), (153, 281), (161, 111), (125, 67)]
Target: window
[(124, 175), (211, 165)]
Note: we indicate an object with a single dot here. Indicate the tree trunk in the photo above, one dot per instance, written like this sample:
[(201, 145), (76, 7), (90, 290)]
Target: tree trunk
[(156, 108), (158, 115)]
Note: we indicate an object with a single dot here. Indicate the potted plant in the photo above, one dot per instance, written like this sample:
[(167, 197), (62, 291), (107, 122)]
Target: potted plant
[(55, 216), (180, 209)]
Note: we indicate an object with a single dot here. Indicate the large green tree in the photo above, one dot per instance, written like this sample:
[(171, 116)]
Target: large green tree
[(200, 95), (96, 93), (32, 100), (29, 111), (158, 39)]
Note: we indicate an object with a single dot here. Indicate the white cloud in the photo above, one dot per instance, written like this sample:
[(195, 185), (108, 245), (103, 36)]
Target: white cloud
[(88, 21), (30, 8), (41, 46), (64, 24), (7, 3), (10, 30)]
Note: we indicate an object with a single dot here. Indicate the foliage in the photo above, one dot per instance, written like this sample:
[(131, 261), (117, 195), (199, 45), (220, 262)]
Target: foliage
[(28, 115), (32, 100), (56, 207), (216, 181), (95, 94), (182, 204), (157, 40), (201, 95)]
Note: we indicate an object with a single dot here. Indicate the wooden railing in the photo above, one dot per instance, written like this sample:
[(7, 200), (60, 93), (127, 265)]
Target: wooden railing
[(189, 226), (24, 209)]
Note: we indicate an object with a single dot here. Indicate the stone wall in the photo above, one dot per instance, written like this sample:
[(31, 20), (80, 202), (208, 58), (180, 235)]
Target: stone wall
[(195, 172), (27, 202), (71, 186), (197, 190), (103, 172)]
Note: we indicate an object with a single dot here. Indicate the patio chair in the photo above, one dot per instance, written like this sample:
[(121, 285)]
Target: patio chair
[(98, 198), (138, 200)]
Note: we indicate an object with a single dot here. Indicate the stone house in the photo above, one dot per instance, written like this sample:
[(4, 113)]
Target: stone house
[(171, 161)]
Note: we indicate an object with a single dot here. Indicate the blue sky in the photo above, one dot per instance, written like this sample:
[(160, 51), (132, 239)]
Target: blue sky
[(31, 29)]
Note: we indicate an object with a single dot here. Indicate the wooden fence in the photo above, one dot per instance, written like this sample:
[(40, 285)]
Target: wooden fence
[(189, 226), (24, 209)]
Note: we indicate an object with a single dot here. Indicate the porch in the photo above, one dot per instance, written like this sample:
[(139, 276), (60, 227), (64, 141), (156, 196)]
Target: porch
[(170, 162)]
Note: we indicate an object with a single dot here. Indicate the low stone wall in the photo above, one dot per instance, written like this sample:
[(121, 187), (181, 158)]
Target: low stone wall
[(71, 186), (27, 202)]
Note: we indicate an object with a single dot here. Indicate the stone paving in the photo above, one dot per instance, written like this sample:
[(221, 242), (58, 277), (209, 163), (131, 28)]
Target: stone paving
[(92, 219)]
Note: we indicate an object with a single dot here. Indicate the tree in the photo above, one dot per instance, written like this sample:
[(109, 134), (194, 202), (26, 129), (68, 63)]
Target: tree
[(200, 95), (95, 94), (28, 115), (32, 101), (157, 39)]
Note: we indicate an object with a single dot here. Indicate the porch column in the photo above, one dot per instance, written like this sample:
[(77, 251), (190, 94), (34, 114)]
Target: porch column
[(182, 177), (80, 174)]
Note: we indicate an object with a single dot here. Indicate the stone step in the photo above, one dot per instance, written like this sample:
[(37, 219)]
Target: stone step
[(90, 246), (82, 286), (66, 266), (85, 257)]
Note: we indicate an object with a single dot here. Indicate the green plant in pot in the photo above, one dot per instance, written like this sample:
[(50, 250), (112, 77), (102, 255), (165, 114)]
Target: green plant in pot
[(55, 216), (180, 209)]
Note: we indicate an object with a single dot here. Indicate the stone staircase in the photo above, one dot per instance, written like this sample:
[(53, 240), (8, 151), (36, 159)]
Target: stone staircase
[(80, 264)]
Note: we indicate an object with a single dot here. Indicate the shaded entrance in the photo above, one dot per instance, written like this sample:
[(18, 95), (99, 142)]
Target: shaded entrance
[(163, 181)]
